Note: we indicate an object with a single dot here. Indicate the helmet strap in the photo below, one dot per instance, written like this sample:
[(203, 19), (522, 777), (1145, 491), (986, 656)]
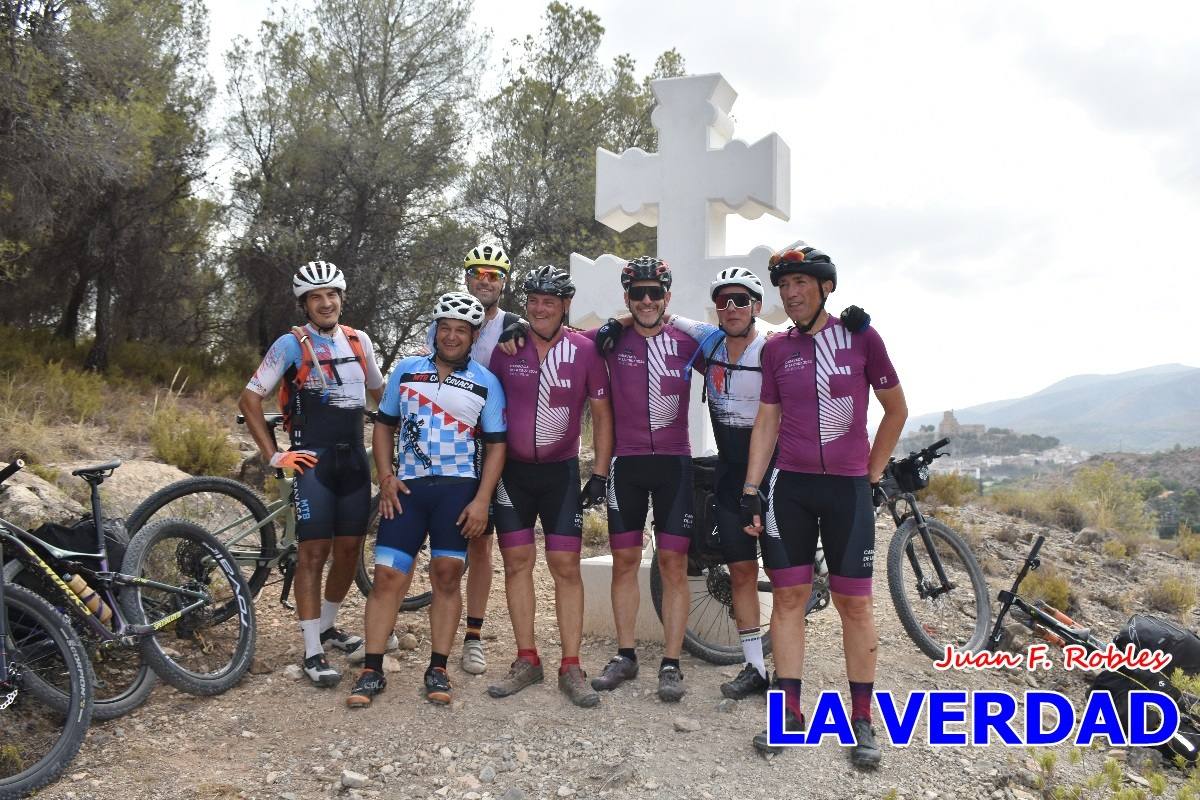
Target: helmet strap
[(456, 366), (807, 326), (552, 336), (749, 330)]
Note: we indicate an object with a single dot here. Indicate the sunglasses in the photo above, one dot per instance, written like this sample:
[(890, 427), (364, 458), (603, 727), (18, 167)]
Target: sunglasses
[(482, 272), (725, 302), (639, 293), (792, 254)]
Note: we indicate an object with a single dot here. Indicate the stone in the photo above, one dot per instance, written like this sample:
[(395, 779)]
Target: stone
[(391, 664), (727, 705), (294, 671), (487, 774), (565, 791), (513, 793), (28, 501), (353, 780), (260, 667), (408, 642), (445, 752), (130, 484), (272, 777), (686, 724)]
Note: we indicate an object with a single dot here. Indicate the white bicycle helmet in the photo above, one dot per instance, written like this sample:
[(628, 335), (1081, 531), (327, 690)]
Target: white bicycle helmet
[(459, 305), (737, 276), (317, 275)]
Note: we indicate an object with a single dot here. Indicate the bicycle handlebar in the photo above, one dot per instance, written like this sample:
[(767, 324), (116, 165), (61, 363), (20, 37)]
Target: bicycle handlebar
[(12, 469)]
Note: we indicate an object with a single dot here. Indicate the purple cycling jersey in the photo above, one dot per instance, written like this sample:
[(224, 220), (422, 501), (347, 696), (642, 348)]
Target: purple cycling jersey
[(651, 391), (545, 401), (820, 383)]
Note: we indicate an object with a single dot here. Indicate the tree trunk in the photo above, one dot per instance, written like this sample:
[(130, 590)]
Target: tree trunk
[(97, 357), (68, 326)]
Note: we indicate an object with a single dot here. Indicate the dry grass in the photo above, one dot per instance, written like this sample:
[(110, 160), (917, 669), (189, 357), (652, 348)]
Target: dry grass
[(595, 528), (1187, 544), (1172, 595), (1048, 585), (949, 489)]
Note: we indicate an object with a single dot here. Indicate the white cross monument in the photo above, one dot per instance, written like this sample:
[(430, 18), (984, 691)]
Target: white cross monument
[(687, 189)]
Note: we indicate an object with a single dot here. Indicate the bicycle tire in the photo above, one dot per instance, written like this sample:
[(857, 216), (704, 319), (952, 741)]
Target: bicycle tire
[(200, 552), (702, 644), (63, 639), (246, 502), (976, 604), (105, 706), (362, 574)]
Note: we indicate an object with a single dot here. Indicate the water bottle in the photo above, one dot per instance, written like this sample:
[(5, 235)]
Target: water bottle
[(90, 599)]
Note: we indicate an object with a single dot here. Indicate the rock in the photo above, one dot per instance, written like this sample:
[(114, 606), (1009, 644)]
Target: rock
[(469, 782), (445, 752), (387, 769), (487, 774), (249, 735), (513, 793), (472, 796), (727, 705), (686, 724), (565, 791), (391, 664), (288, 796), (651, 785), (294, 671), (28, 501), (353, 780), (621, 774), (130, 484), (272, 777), (408, 642), (260, 667), (1138, 779)]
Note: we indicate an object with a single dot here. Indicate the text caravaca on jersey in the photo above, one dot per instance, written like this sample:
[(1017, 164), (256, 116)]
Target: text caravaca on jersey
[(961, 718)]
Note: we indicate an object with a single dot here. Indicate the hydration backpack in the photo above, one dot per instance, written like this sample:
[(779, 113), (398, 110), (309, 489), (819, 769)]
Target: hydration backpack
[(296, 377)]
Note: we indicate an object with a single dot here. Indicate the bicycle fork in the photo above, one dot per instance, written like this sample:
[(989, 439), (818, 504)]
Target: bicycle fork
[(925, 591)]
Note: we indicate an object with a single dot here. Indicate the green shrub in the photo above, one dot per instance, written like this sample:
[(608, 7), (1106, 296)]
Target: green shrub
[(1098, 497), (949, 489), (1047, 584), (1171, 595), (194, 442), (1187, 543), (1114, 549)]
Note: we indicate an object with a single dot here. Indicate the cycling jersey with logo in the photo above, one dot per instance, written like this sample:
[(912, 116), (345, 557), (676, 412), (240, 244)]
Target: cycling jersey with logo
[(732, 388), (651, 391), (344, 377), (821, 384), (545, 401), (439, 420)]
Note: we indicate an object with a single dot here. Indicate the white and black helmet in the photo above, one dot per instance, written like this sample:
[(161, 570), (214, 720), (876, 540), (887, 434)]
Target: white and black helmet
[(737, 276), (459, 305), (317, 275)]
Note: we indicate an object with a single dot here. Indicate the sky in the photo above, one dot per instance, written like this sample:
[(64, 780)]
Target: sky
[(1011, 190)]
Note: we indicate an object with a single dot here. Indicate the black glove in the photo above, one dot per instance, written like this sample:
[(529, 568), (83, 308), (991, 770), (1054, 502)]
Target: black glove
[(751, 506), (607, 336), (516, 330), (885, 489), (855, 319), (594, 492)]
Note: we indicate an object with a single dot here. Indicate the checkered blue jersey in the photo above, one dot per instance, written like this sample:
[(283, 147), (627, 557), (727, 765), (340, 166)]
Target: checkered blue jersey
[(441, 422)]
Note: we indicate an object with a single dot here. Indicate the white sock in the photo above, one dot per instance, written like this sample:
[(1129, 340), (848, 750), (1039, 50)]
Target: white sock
[(329, 612), (311, 628), (752, 649)]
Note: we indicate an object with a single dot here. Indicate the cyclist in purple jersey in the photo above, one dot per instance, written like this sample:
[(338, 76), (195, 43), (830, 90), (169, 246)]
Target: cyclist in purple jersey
[(547, 381), (648, 367), (816, 383)]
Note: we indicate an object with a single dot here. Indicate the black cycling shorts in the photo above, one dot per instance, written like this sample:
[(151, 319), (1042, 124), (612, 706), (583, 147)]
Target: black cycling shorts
[(736, 544), (632, 482), (547, 490), (334, 497), (837, 509)]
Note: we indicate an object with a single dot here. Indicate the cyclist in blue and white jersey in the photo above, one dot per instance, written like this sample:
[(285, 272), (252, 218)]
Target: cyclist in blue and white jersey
[(441, 405)]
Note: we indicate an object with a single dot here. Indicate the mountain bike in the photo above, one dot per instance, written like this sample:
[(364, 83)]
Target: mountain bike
[(937, 587), (261, 536), (41, 660), (178, 606)]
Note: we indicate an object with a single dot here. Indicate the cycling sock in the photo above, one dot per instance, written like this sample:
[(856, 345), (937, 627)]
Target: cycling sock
[(474, 625), (627, 652), (860, 700), (373, 661), (566, 662), (791, 694), (752, 648), (438, 660), (311, 628), (668, 662), (329, 612), (530, 655)]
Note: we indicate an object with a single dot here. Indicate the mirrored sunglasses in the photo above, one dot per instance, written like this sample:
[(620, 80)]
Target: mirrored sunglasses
[(725, 302), (638, 293), (484, 272)]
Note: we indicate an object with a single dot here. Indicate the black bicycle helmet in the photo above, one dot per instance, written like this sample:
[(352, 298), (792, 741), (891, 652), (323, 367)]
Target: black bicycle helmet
[(550, 280), (798, 257), (646, 268)]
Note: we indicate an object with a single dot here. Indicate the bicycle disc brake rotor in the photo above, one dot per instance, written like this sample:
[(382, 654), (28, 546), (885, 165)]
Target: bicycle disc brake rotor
[(719, 585)]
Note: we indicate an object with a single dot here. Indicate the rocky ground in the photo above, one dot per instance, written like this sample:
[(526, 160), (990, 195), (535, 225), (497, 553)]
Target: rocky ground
[(275, 736)]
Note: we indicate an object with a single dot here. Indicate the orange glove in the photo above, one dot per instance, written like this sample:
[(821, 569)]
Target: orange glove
[(298, 460)]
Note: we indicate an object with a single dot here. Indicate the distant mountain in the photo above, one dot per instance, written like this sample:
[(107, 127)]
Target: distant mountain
[(1138, 411)]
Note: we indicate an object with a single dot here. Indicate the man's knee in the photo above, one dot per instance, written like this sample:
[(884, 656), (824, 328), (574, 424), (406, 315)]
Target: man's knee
[(743, 573), (387, 580), (672, 567), (626, 560), (855, 609), (564, 567), (314, 553), (346, 548), (445, 575), (480, 546), (791, 599), (518, 560)]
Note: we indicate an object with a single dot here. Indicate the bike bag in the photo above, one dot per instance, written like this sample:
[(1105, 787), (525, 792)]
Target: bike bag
[(81, 538), (1148, 632), (911, 476), (706, 540)]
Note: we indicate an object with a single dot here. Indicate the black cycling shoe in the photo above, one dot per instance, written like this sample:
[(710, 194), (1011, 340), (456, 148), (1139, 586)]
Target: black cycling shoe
[(866, 751), (369, 684), (618, 670), (747, 683), (670, 684), (437, 686), (346, 642), (791, 724), (320, 673)]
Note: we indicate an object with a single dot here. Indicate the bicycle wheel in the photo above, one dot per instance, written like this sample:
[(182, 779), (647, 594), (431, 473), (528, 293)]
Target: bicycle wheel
[(196, 651), (123, 679), (712, 631), (45, 658), (933, 618), (420, 592), (228, 509)]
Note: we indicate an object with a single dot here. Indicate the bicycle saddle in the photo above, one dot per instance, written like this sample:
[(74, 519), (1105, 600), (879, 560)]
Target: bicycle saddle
[(97, 471)]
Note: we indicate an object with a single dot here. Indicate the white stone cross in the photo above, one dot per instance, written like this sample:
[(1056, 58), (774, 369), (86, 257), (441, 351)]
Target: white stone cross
[(687, 189)]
